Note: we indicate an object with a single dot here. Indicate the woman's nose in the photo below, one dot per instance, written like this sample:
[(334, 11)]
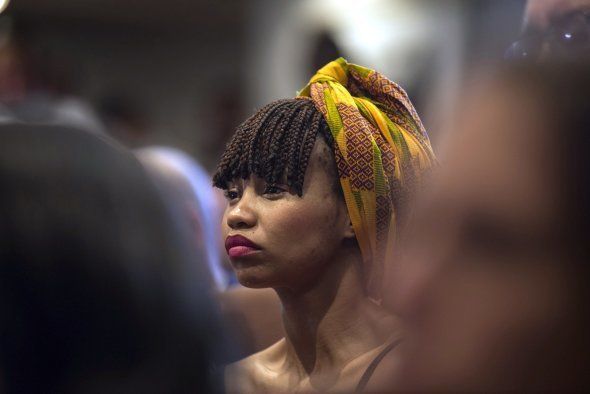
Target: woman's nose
[(242, 214)]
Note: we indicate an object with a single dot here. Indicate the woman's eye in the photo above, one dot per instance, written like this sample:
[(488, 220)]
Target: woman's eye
[(231, 194), (273, 190)]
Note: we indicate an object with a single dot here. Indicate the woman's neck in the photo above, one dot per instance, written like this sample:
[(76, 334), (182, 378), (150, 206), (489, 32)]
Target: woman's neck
[(332, 322)]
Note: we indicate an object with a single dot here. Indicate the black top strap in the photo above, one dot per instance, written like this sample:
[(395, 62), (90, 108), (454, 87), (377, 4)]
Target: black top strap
[(371, 368)]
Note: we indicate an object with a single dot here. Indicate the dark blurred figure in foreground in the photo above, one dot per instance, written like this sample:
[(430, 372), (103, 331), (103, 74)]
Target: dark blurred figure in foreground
[(500, 299), (95, 294), (554, 29)]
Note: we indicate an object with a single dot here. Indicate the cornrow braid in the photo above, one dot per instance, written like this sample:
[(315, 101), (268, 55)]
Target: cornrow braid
[(250, 163), (283, 148), (270, 148), (293, 151), (308, 144), (274, 144)]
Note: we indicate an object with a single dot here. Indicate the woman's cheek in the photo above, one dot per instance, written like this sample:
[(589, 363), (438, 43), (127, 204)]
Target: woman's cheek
[(291, 221), (296, 223)]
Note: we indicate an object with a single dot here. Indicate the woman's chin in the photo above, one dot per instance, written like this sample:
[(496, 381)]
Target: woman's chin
[(253, 280)]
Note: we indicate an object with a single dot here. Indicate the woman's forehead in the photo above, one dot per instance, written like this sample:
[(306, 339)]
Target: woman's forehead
[(322, 160), (321, 154)]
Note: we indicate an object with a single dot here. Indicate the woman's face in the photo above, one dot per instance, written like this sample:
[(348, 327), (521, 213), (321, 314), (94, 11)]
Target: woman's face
[(289, 240), (482, 285)]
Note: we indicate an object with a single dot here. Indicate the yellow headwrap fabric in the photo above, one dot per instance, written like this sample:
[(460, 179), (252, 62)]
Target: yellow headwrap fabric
[(381, 148)]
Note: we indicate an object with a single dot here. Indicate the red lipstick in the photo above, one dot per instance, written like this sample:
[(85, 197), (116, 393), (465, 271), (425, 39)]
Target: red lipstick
[(238, 246)]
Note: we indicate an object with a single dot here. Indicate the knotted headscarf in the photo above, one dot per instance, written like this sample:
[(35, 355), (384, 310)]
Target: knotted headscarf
[(381, 149)]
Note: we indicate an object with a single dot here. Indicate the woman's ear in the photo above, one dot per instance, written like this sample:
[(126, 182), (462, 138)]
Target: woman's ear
[(349, 231), (346, 223)]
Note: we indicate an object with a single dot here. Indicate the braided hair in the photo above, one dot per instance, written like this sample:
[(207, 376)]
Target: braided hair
[(275, 144)]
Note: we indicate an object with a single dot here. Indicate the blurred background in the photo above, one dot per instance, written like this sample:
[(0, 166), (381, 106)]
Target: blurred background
[(185, 73)]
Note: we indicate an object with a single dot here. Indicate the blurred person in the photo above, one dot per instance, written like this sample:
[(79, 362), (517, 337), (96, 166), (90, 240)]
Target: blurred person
[(499, 300), (32, 89), (189, 187), (125, 120), (554, 29), (96, 290), (315, 188)]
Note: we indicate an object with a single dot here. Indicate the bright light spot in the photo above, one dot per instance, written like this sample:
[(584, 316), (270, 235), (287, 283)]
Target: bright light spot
[(3, 4), (568, 35), (372, 32)]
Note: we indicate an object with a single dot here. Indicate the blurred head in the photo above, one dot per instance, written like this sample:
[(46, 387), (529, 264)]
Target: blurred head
[(498, 299), (187, 186), (286, 218), (540, 13), (554, 29), (95, 294)]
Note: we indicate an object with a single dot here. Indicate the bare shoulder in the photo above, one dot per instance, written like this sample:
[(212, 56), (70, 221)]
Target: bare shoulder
[(251, 373)]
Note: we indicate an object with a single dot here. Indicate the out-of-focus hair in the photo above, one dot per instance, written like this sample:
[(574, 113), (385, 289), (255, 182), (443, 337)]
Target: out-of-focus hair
[(95, 295)]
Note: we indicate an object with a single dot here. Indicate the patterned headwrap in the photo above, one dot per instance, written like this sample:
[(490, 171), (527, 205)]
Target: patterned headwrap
[(381, 149)]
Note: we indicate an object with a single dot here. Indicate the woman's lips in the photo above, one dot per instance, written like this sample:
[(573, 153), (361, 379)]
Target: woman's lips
[(238, 246)]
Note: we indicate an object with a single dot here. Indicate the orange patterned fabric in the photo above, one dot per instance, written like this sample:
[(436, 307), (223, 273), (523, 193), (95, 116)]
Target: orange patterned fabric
[(381, 150)]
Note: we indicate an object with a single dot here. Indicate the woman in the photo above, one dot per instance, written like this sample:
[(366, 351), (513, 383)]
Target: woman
[(315, 187), (499, 301)]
